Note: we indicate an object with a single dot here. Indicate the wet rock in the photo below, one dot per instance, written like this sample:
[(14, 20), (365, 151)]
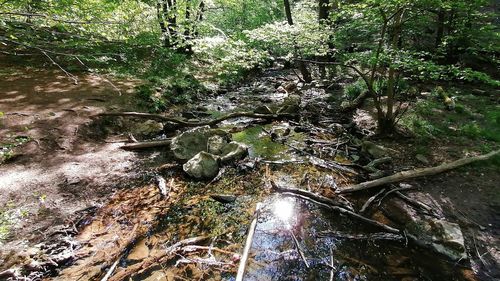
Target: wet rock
[(216, 144), (422, 158), (148, 128), (234, 151), (190, 143), (202, 166), (441, 235), (374, 150), (263, 109), (291, 105)]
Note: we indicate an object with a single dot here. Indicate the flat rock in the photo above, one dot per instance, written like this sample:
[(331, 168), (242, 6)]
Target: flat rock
[(202, 166)]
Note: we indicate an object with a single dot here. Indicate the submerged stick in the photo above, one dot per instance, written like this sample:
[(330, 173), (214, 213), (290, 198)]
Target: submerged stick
[(248, 244), (405, 175), (301, 253)]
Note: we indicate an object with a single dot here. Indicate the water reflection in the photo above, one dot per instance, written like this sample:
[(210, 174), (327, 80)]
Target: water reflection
[(283, 209)]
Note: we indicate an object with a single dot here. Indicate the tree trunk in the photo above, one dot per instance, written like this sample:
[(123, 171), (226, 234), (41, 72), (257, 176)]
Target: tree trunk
[(288, 12), (323, 15), (441, 15)]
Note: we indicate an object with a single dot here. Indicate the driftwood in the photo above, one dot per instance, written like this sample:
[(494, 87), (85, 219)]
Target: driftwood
[(405, 175), (248, 244), (146, 145), (154, 260), (213, 122)]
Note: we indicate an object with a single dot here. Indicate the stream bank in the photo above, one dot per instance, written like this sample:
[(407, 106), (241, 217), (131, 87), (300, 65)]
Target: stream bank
[(135, 233)]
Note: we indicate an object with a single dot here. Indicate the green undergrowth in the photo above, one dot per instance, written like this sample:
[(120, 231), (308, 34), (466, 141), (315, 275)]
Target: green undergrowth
[(475, 121)]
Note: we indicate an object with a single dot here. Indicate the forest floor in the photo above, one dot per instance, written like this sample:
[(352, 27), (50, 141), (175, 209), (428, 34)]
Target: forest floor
[(66, 182), (52, 167)]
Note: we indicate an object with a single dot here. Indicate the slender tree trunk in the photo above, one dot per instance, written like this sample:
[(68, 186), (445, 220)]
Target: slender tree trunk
[(387, 124), (323, 16), (288, 12), (441, 16)]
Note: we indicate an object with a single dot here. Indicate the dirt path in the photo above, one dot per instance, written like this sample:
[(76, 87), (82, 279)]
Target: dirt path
[(59, 168)]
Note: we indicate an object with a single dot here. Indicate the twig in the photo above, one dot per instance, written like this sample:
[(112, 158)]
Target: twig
[(297, 246), (390, 192), (332, 264), (248, 244), (100, 76), (370, 200), (71, 76), (111, 270)]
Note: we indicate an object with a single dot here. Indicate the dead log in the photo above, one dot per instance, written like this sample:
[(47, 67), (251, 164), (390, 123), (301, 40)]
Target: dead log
[(405, 175), (146, 145), (184, 123)]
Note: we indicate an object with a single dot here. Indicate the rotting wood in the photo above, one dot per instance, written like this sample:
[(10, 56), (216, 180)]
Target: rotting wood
[(154, 260), (146, 145), (184, 123), (248, 244), (405, 175)]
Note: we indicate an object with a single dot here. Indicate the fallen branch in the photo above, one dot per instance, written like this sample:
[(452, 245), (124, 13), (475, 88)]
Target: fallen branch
[(370, 200), (369, 236), (248, 245), (297, 245), (352, 214), (405, 175), (152, 261), (313, 196), (146, 145), (213, 122), (418, 204)]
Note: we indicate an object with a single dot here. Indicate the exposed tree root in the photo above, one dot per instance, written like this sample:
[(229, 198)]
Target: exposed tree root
[(405, 175), (213, 122)]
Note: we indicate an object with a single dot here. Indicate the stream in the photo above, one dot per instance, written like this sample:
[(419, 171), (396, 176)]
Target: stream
[(136, 234)]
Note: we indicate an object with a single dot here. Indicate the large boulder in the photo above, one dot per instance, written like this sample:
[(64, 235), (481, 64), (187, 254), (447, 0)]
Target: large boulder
[(186, 145), (202, 166), (432, 229)]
